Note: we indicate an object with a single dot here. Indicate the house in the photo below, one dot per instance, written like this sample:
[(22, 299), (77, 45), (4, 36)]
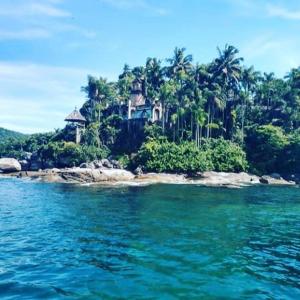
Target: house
[(140, 108)]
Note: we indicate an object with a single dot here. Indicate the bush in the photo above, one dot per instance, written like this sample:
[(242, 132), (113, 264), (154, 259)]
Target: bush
[(265, 147), (69, 154), (225, 156), (290, 157), (164, 156)]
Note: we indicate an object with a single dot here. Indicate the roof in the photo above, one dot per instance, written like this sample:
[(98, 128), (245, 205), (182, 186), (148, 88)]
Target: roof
[(75, 116)]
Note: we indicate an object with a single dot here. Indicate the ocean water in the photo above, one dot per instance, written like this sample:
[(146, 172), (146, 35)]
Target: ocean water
[(156, 242)]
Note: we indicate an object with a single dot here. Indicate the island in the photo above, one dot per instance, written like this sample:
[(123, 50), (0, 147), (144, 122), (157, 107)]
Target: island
[(172, 121)]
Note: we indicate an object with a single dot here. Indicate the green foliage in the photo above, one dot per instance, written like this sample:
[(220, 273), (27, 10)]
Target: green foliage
[(69, 154), (290, 157), (6, 135), (266, 145), (91, 135), (164, 156), (18, 148), (222, 100), (225, 156), (124, 161)]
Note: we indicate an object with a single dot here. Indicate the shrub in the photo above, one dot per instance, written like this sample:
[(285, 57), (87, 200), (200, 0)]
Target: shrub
[(69, 154), (225, 155), (265, 147), (164, 156)]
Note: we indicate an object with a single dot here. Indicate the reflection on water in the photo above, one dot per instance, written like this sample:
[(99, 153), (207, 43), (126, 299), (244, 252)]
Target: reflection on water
[(161, 241)]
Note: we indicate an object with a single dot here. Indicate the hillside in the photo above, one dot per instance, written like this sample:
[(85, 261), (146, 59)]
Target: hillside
[(6, 134)]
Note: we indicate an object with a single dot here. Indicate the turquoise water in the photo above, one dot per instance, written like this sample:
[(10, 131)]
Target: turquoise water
[(156, 242)]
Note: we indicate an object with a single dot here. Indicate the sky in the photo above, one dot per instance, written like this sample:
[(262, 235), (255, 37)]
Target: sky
[(48, 47)]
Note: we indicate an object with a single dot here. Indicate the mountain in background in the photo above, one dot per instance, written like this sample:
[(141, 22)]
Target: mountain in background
[(6, 134)]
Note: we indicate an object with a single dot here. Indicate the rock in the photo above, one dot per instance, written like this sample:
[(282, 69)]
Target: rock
[(8, 165), (150, 178), (25, 164), (97, 164), (116, 164), (138, 171), (117, 175), (95, 175), (276, 176), (87, 166), (270, 179), (106, 163), (225, 179)]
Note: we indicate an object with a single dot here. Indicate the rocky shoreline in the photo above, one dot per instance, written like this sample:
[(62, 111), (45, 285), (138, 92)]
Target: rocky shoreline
[(110, 173), (124, 177)]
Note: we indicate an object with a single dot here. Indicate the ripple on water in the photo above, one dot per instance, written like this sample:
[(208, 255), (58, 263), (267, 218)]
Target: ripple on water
[(162, 241)]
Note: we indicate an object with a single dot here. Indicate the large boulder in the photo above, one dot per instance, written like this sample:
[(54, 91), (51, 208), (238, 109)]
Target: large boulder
[(8, 165), (85, 175)]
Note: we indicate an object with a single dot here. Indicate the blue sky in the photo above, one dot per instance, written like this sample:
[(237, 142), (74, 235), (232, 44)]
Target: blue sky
[(47, 47)]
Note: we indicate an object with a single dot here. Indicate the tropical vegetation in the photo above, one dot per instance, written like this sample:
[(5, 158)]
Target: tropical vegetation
[(221, 116)]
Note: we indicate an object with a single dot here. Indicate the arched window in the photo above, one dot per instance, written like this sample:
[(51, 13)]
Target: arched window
[(156, 114)]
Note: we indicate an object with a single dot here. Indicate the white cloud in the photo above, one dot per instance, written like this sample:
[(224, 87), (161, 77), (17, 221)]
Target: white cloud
[(282, 12), (25, 34), (32, 19), (32, 8), (36, 98)]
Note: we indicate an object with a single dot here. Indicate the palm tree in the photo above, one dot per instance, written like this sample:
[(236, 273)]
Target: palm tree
[(249, 81), (200, 121), (180, 64), (154, 76), (227, 71)]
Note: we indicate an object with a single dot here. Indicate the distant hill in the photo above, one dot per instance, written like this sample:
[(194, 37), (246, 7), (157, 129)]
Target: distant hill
[(6, 134)]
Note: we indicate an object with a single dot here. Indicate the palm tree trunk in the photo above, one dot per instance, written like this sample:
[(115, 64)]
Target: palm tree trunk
[(208, 120)]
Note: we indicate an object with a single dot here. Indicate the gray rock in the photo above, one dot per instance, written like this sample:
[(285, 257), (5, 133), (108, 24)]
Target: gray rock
[(138, 171), (25, 164), (95, 175), (116, 164), (97, 164), (87, 166), (226, 179), (276, 176), (106, 163), (8, 165), (269, 179)]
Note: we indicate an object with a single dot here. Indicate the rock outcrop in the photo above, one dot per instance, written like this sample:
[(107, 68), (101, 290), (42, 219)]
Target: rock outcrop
[(8, 165), (275, 179), (151, 178), (225, 179), (88, 175)]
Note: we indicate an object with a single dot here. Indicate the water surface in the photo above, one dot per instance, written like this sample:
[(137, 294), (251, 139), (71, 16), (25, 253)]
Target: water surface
[(61, 241)]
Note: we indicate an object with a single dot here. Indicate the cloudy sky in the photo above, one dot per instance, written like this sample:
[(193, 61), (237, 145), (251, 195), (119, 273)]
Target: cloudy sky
[(47, 47)]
